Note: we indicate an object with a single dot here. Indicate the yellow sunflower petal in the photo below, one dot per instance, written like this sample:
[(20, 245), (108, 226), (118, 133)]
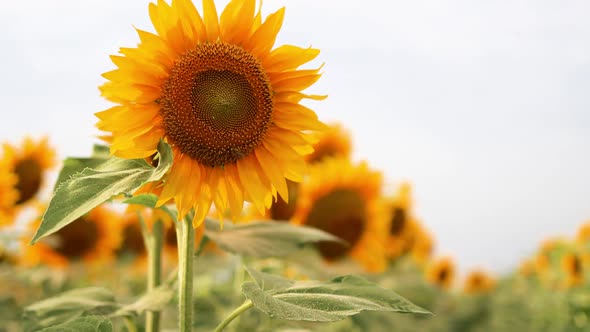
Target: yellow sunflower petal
[(211, 20), (264, 38), (288, 57)]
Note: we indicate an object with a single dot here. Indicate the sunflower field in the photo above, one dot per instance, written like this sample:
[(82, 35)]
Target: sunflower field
[(217, 200)]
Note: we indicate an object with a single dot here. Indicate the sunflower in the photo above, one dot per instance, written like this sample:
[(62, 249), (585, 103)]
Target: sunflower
[(8, 194), (583, 234), (422, 245), (441, 272), (478, 282), (342, 198), (92, 238), (527, 268), (571, 265), (402, 224), (22, 174), (222, 97), (281, 210), (333, 142), (542, 263), (131, 237)]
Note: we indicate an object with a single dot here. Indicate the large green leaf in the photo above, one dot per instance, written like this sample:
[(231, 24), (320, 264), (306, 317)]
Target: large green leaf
[(68, 306), (321, 301), (264, 239), (72, 166), (83, 324), (85, 190)]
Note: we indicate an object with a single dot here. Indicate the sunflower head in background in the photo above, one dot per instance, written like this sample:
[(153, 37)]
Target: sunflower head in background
[(343, 199), (572, 269), (91, 239), (583, 235), (132, 242), (422, 245), (478, 282), (227, 101), (441, 273), (403, 226), (333, 142), (527, 268), (23, 173)]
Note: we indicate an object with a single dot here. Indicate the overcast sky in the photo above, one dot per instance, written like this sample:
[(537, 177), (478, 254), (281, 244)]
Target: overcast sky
[(483, 105)]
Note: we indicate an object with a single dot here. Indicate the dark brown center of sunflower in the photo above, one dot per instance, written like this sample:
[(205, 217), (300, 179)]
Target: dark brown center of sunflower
[(476, 280), (217, 104), (398, 221), (281, 210), (443, 274), (576, 266), (132, 240), (77, 238), (29, 174), (341, 213)]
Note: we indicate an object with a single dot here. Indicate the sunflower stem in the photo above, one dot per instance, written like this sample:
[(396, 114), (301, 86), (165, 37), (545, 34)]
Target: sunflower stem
[(186, 250), (154, 251), (245, 306)]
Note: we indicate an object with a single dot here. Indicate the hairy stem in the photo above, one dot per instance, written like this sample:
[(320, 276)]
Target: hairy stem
[(186, 250), (154, 251)]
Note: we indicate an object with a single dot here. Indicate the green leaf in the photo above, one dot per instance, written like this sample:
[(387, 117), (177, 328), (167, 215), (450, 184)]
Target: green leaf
[(150, 200), (101, 151), (93, 186), (264, 239), (322, 301), (155, 300), (68, 306), (269, 282), (83, 324), (72, 166)]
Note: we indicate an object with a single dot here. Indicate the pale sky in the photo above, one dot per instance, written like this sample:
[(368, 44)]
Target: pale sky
[(483, 105)]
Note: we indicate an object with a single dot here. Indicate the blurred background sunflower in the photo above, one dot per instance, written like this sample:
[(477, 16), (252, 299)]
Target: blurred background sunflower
[(343, 198)]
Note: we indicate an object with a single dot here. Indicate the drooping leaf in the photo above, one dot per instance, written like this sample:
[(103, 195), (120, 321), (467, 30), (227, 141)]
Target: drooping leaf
[(83, 324), (264, 239), (68, 306), (85, 190), (155, 300), (322, 301)]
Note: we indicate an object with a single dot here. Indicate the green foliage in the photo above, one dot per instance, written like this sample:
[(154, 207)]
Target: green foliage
[(150, 200), (83, 324), (85, 190), (263, 239), (154, 300), (69, 306), (321, 301)]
